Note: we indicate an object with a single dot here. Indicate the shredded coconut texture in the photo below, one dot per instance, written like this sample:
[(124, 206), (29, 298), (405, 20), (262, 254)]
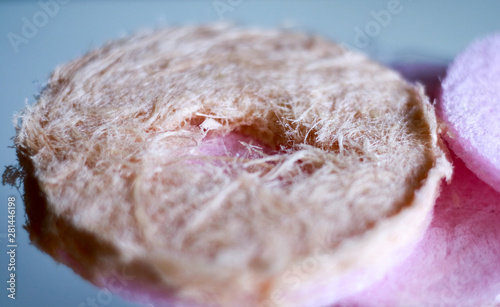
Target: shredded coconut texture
[(338, 161)]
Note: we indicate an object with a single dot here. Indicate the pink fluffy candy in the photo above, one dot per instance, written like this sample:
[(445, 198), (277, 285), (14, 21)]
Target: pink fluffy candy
[(470, 106)]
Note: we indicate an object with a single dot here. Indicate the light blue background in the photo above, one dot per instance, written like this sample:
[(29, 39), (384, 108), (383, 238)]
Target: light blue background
[(423, 30)]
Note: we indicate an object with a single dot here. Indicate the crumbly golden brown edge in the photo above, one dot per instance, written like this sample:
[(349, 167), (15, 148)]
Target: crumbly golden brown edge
[(192, 277)]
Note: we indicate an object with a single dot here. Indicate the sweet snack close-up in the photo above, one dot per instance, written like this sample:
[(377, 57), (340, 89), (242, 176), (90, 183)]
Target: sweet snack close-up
[(470, 107), (228, 166)]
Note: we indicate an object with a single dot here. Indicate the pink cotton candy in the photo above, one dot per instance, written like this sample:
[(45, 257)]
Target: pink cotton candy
[(470, 105), (457, 263)]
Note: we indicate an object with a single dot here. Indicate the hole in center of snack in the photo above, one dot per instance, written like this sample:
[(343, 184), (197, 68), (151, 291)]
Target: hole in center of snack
[(234, 144)]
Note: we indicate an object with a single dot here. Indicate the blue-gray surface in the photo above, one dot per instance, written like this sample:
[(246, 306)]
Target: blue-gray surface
[(35, 36)]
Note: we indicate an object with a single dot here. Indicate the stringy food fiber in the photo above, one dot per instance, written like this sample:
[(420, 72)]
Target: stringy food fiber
[(340, 162)]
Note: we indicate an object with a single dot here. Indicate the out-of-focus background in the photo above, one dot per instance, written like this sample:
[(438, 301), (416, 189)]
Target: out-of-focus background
[(36, 36)]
